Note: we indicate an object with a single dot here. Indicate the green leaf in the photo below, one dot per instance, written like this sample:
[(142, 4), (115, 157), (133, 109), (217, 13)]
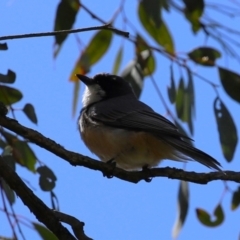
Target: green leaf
[(25, 155), (193, 12), (236, 199), (76, 89), (226, 128), (98, 46), (180, 99), (47, 179), (206, 220), (190, 105), (154, 24), (10, 77), (2, 144), (134, 75), (231, 83), (21, 151), (44, 232), (64, 20), (96, 49), (9, 95), (30, 112), (172, 89), (3, 46), (153, 10), (144, 56), (8, 158), (118, 61), (8, 192), (205, 56), (183, 205)]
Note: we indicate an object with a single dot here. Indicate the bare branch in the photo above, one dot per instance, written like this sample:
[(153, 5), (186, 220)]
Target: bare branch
[(35, 205), (77, 226), (79, 160), (45, 34)]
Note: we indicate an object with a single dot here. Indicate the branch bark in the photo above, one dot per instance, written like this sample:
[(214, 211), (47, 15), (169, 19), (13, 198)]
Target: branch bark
[(76, 159), (35, 205)]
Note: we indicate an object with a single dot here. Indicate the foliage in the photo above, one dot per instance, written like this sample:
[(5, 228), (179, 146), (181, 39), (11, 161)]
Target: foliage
[(181, 91)]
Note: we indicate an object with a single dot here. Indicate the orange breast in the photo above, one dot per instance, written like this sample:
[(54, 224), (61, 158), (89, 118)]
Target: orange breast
[(130, 149)]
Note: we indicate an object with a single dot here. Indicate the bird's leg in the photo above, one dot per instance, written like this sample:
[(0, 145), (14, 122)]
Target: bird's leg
[(112, 163), (146, 170)]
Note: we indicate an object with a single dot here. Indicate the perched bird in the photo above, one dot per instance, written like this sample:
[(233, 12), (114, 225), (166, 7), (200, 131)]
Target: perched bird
[(117, 127)]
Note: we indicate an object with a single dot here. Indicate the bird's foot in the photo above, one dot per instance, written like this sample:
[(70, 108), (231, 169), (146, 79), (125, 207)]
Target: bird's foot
[(146, 170), (109, 173)]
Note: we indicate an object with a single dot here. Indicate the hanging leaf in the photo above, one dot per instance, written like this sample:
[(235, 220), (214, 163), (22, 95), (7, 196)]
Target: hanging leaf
[(96, 49), (30, 112), (76, 89), (47, 179), (231, 83), (2, 144), (185, 102), (9, 95), (183, 205), (24, 155), (190, 105), (149, 15), (205, 56), (235, 199), (144, 56), (10, 77), (8, 192), (9, 160), (21, 151), (44, 232), (193, 11), (118, 61), (226, 128), (206, 219), (134, 75), (180, 99), (3, 46), (172, 89), (64, 20)]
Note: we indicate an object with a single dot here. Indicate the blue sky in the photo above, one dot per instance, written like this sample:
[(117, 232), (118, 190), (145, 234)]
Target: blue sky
[(111, 208)]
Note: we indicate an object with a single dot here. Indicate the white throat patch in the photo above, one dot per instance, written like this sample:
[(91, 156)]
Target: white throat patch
[(92, 93)]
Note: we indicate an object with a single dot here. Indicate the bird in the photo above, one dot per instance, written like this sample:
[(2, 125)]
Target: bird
[(119, 128)]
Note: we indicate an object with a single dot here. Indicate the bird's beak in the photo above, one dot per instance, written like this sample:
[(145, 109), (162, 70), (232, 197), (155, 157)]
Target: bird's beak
[(86, 80)]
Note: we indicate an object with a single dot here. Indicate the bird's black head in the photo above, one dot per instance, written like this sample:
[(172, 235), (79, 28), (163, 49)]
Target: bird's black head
[(104, 86)]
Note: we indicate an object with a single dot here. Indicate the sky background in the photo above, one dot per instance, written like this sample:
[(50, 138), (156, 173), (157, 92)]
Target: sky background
[(111, 208)]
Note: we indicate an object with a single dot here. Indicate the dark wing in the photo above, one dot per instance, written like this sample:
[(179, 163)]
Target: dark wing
[(129, 113)]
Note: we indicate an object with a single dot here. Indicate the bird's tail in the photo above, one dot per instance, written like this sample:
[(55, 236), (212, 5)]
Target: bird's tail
[(188, 150)]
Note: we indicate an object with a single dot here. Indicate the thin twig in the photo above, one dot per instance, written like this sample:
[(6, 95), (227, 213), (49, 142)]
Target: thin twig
[(6, 210), (45, 34), (17, 222)]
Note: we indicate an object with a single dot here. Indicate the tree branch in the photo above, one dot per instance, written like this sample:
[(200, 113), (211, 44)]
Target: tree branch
[(45, 34), (40, 210), (107, 169), (77, 226)]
